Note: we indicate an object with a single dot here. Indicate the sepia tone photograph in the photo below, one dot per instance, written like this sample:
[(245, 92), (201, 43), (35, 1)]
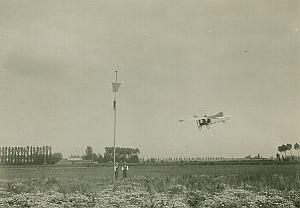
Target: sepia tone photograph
[(149, 104)]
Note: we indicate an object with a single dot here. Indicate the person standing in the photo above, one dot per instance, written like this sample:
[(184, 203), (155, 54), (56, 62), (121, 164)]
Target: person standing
[(125, 169), (116, 169)]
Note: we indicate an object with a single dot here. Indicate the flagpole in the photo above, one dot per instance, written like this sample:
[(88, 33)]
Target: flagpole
[(115, 126)]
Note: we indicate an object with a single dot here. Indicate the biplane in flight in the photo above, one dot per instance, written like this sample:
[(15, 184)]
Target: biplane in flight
[(208, 120)]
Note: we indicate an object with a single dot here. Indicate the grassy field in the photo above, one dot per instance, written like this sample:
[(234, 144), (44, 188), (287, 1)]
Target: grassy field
[(165, 185), (161, 170)]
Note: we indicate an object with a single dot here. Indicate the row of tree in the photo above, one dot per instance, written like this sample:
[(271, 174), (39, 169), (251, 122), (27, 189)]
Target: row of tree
[(123, 154), (287, 147), (180, 159), (29, 155), (131, 155)]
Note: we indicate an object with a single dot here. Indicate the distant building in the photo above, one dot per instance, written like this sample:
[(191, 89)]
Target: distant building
[(75, 159)]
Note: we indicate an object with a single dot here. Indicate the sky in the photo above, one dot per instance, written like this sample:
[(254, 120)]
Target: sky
[(176, 58)]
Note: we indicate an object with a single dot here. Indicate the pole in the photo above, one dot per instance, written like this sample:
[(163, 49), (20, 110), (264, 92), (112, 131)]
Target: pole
[(115, 125)]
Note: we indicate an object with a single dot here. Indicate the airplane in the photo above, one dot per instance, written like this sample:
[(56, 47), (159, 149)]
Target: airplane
[(208, 120)]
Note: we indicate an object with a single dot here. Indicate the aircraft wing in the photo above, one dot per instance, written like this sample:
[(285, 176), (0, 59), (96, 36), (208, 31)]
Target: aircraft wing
[(218, 115), (191, 119), (220, 119), (225, 117)]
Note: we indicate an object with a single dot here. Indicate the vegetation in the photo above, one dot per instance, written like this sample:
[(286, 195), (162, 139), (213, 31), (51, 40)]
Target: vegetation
[(56, 157), (297, 147), (287, 147), (90, 155), (123, 154), (163, 186), (28, 155)]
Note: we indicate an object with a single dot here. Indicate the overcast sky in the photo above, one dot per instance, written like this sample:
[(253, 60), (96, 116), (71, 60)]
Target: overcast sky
[(176, 58)]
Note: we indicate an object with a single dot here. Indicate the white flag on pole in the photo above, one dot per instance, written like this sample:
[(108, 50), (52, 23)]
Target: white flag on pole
[(115, 86)]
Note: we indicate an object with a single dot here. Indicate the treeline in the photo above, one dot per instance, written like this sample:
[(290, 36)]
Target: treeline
[(29, 155), (180, 159), (123, 154), (283, 149)]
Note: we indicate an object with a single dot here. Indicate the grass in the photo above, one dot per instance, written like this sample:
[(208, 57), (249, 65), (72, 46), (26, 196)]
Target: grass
[(147, 170), (176, 185)]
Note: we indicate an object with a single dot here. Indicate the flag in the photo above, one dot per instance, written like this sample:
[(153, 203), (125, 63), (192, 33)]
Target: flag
[(115, 86), (114, 104)]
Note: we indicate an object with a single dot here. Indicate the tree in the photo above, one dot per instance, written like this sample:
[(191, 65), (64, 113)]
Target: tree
[(108, 154), (50, 153), (1, 154), (21, 152), (5, 155), (100, 158), (47, 155), (15, 155), (94, 157), (56, 157), (27, 155), (44, 155), (30, 155), (297, 147), (289, 147), (281, 149), (9, 155), (36, 162), (35, 155), (123, 154), (278, 156), (88, 153)]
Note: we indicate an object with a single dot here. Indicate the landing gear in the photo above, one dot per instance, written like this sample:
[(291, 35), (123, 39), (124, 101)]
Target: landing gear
[(208, 126), (200, 127)]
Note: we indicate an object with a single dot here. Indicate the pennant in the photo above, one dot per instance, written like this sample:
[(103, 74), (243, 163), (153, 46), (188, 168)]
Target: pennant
[(114, 105), (115, 86)]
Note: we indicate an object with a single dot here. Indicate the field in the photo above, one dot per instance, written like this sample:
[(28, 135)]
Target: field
[(165, 185)]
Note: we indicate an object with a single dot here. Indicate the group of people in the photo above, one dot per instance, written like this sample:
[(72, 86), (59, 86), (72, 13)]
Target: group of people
[(124, 170)]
